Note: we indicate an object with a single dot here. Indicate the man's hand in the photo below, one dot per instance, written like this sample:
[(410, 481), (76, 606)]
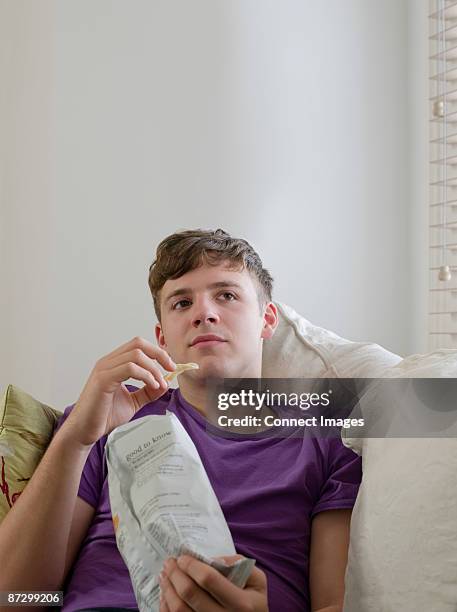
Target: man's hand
[(188, 584), (105, 402)]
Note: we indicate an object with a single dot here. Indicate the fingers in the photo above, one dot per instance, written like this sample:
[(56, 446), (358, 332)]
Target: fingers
[(139, 358), (257, 579), (144, 396), (131, 370), (199, 587), (163, 605), (139, 361), (230, 559), (169, 598), (178, 588), (211, 581), (149, 349)]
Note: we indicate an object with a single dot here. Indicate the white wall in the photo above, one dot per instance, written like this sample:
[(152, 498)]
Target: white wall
[(27, 223), (285, 122)]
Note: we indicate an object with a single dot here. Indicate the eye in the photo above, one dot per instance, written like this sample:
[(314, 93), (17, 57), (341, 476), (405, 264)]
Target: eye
[(229, 296), (178, 305)]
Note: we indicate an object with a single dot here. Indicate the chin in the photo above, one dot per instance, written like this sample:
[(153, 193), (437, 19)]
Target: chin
[(213, 369)]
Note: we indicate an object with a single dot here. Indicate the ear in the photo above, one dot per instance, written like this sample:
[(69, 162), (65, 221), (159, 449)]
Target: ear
[(160, 337), (270, 321)]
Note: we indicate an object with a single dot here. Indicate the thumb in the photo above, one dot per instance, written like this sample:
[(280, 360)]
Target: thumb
[(257, 579), (230, 559), (145, 395)]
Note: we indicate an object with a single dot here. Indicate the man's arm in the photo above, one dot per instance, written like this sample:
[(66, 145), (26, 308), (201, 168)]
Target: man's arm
[(328, 559), (34, 535)]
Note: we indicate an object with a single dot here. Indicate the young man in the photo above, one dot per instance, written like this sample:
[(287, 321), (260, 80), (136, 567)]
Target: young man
[(287, 501)]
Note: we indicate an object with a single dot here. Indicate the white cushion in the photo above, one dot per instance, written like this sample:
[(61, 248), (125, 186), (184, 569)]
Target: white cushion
[(403, 545), (299, 349)]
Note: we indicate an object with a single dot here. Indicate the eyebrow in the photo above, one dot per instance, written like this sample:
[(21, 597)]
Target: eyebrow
[(188, 290)]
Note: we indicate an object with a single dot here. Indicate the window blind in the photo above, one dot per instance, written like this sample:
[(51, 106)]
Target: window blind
[(443, 175)]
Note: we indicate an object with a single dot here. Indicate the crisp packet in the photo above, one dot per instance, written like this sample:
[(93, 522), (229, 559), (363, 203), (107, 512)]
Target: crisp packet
[(163, 505)]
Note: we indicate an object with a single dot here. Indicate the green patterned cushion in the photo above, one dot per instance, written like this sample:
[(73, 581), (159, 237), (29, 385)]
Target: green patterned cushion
[(26, 428)]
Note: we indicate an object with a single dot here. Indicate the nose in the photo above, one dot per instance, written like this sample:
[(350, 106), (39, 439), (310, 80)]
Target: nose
[(204, 313)]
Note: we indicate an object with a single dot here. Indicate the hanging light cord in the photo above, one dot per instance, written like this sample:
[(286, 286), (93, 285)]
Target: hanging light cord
[(444, 273)]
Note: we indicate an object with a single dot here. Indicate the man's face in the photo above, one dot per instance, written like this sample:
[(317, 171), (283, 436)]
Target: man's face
[(211, 316)]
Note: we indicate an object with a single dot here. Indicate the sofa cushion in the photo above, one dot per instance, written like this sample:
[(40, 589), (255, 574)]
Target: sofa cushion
[(403, 545), (26, 428), (299, 349)]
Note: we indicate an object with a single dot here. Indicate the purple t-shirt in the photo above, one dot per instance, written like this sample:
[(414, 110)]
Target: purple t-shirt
[(269, 489)]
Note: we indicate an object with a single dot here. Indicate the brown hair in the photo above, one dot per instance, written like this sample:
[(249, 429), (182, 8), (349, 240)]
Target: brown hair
[(187, 250)]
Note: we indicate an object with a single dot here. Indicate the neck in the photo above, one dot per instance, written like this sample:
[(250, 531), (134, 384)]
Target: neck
[(195, 389), (194, 392)]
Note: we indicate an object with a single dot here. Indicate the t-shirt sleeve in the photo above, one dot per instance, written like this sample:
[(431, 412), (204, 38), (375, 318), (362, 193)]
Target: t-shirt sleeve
[(91, 482), (342, 476)]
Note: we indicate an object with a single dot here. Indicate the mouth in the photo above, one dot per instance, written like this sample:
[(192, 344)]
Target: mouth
[(208, 340)]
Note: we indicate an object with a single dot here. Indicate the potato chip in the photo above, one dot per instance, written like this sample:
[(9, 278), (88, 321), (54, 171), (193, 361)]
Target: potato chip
[(181, 367)]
